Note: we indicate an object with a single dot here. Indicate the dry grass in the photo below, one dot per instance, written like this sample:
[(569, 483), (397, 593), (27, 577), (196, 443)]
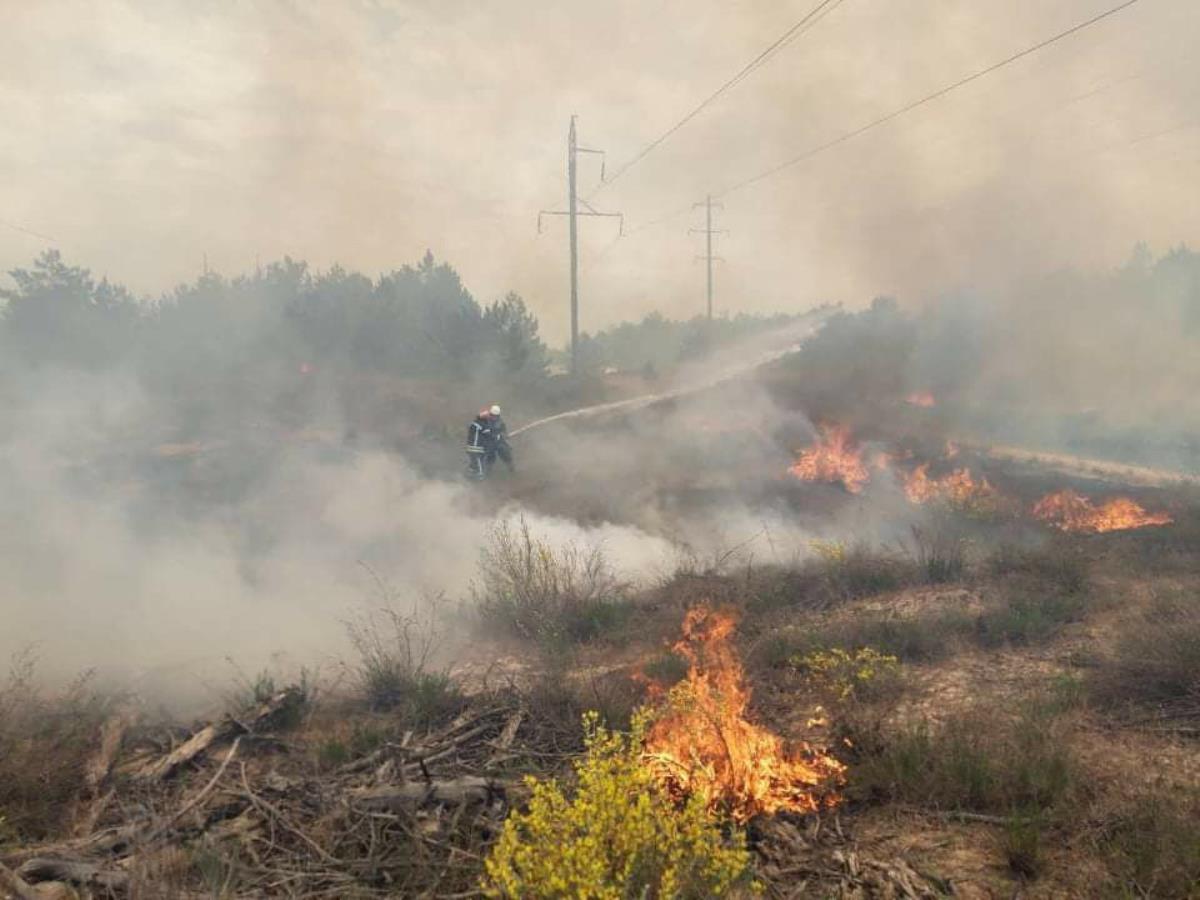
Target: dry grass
[(1155, 664), (45, 741), (394, 669), (551, 595), (975, 761)]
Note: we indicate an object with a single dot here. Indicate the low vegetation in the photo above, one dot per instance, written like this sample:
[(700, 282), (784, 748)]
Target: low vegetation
[(45, 741), (1155, 664), (614, 835), (848, 572), (394, 669), (551, 595), (974, 761), (1151, 844)]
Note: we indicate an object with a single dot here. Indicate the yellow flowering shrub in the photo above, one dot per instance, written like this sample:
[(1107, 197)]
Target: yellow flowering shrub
[(619, 836), (832, 552), (847, 673)]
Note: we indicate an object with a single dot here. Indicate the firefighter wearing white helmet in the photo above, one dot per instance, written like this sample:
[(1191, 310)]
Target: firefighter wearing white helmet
[(487, 438)]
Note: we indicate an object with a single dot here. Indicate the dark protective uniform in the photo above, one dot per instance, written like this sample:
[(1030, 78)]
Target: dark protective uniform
[(480, 445), (502, 448), (487, 438)]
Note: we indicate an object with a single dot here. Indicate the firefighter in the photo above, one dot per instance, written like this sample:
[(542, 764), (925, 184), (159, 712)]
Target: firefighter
[(480, 446), (502, 448)]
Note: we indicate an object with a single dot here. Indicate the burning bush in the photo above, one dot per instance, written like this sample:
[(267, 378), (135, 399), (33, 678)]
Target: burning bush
[(619, 835), (701, 743), (1070, 511), (833, 458), (958, 489)]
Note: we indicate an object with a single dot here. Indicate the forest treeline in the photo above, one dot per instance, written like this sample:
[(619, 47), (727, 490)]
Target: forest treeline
[(255, 341)]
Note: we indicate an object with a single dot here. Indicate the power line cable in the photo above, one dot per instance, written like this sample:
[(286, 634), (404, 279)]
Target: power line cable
[(810, 19), (929, 98), (882, 120), (29, 231)]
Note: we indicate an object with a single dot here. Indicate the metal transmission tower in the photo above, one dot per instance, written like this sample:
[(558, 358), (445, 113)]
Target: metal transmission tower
[(573, 211), (708, 231)]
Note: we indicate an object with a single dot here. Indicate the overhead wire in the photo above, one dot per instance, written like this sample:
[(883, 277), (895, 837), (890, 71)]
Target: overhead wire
[(37, 234), (928, 98), (897, 113), (813, 16)]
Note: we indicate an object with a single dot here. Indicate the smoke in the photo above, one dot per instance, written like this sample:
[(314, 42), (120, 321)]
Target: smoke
[(151, 135), (141, 560)]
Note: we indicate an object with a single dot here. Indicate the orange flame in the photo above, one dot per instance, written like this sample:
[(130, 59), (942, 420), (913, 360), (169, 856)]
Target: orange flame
[(1070, 511), (957, 488), (702, 743), (833, 458), (920, 398)]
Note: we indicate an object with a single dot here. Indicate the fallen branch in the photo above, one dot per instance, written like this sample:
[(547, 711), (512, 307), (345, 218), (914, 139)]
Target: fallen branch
[(73, 871), (203, 792), (397, 798)]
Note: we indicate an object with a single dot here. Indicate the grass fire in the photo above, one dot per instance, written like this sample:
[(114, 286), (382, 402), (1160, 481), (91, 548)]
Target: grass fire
[(1073, 512), (702, 743), (376, 525), (834, 458)]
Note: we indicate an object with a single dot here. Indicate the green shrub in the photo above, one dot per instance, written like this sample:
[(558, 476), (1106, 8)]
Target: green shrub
[(1156, 661), (1022, 844), (393, 668), (1151, 844), (250, 693), (848, 675), (940, 553), (922, 638), (974, 762), (616, 835), (550, 595), (1026, 619), (854, 571), (1058, 568)]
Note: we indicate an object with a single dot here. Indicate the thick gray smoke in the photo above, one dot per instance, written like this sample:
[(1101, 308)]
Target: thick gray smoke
[(113, 554), (149, 135)]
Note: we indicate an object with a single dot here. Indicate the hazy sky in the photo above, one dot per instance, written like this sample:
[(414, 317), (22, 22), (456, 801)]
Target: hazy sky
[(142, 135)]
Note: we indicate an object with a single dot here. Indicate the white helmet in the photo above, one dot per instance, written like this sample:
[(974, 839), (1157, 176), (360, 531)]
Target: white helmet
[(495, 410)]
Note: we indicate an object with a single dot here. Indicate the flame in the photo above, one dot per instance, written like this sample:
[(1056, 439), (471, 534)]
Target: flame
[(1073, 512), (957, 488), (702, 743), (833, 458), (921, 398)]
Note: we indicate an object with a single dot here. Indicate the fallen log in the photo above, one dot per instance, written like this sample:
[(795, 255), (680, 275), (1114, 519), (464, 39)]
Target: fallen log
[(396, 798), (93, 799), (166, 766), (109, 842), (73, 871), (266, 715)]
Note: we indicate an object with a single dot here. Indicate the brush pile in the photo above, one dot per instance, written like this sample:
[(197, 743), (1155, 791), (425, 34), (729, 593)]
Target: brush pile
[(232, 809)]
